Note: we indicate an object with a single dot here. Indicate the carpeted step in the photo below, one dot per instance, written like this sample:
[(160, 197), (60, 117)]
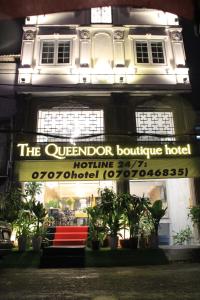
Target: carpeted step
[(71, 229), (67, 247), (71, 235), (72, 242)]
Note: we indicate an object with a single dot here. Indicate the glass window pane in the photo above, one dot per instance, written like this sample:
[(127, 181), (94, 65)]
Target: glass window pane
[(101, 14), (64, 52), (142, 52), (70, 123), (157, 53), (47, 53), (154, 190), (151, 122)]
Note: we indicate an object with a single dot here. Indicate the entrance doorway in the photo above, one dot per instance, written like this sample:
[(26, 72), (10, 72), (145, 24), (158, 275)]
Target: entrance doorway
[(66, 201)]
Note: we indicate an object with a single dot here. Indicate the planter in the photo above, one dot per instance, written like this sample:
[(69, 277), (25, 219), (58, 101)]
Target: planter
[(133, 242), (113, 242), (36, 243), (124, 243), (143, 242), (22, 243), (153, 241), (105, 243), (95, 245)]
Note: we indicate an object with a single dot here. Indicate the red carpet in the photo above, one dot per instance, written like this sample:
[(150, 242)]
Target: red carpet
[(70, 236)]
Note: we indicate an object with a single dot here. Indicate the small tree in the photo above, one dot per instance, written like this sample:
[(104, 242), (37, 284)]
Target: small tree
[(11, 203), (32, 189)]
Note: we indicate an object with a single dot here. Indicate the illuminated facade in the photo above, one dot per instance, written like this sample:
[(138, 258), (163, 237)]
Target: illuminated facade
[(107, 77)]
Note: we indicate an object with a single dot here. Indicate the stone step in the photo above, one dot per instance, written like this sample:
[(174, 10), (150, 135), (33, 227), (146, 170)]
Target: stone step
[(62, 261)]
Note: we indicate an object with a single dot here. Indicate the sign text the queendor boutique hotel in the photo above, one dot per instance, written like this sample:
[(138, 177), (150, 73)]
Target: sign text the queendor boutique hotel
[(56, 162)]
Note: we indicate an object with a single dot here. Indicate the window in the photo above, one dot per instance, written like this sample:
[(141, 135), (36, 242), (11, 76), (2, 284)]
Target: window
[(152, 189), (155, 122), (149, 52), (55, 52), (101, 15), (71, 123)]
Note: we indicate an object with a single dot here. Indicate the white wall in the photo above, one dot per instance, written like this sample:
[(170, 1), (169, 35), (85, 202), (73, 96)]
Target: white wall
[(107, 51), (179, 198)]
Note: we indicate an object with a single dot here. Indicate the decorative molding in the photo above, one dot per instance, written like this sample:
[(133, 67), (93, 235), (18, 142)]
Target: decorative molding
[(176, 36), (29, 35), (85, 34), (118, 35)]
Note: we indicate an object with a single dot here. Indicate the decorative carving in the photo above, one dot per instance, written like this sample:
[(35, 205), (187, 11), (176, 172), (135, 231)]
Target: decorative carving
[(84, 34), (176, 36), (118, 35), (29, 35)]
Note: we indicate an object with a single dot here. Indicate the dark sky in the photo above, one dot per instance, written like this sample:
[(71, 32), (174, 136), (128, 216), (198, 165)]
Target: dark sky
[(11, 36), (192, 49)]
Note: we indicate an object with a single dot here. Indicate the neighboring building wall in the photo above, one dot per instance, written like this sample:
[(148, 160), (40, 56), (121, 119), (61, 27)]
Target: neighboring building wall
[(8, 74)]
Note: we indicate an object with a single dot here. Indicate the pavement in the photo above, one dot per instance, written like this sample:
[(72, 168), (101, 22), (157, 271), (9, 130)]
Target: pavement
[(170, 282)]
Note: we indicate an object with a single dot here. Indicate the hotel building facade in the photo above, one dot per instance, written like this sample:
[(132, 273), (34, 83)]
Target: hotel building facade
[(100, 98)]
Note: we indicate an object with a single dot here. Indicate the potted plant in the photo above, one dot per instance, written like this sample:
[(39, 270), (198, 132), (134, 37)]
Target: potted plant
[(134, 208), (157, 212), (145, 229), (123, 198), (183, 236), (39, 214), (32, 189), (23, 226), (97, 229), (194, 213), (112, 210)]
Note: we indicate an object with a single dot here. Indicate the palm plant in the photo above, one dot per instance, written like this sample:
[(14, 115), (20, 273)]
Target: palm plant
[(135, 207), (23, 226), (39, 213), (112, 211), (97, 228), (37, 210), (157, 212)]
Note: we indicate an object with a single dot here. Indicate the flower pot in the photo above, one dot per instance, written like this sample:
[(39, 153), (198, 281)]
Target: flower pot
[(143, 242), (95, 245), (113, 242), (36, 243), (105, 243), (22, 243), (153, 241), (124, 243), (133, 242)]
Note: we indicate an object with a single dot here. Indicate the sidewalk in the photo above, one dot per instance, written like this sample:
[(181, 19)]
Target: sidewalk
[(170, 282)]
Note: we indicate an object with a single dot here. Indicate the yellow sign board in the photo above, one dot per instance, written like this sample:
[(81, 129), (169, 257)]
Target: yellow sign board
[(54, 151), (110, 169)]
